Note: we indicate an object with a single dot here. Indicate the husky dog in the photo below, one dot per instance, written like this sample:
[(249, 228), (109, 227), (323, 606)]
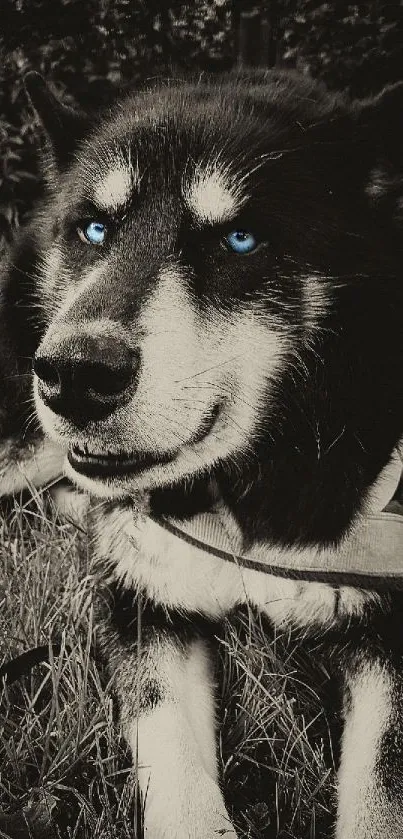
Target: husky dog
[(218, 272)]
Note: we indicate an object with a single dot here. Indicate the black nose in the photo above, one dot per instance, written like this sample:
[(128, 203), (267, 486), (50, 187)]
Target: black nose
[(85, 378)]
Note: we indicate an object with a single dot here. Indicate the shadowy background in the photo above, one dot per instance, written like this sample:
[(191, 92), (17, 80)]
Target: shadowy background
[(88, 48)]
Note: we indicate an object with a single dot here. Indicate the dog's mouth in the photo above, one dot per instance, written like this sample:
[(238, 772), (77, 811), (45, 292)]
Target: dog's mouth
[(111, 465)]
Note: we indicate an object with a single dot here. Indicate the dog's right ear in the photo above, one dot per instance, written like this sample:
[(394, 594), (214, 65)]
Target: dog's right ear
[(64, 126)]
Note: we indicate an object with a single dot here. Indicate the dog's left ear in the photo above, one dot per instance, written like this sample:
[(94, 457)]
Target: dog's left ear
[(382, 116), (379, 121), (64, 126)]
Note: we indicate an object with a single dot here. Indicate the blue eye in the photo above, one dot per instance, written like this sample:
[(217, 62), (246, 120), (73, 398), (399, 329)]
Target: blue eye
[(241, 241), (93, 234)]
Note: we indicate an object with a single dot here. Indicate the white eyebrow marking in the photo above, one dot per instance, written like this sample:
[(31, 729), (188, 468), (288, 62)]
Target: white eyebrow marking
[(212, 193), (115, 188)]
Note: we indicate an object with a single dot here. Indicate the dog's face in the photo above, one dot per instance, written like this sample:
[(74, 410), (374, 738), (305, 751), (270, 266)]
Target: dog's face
[(190, 258)]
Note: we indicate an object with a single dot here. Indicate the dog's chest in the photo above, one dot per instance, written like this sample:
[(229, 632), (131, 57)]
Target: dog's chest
[(140, 555)]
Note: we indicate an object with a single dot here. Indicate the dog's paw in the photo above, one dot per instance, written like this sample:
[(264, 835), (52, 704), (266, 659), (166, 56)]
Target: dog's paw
[(207, 830), (200, 815), (191, 826)]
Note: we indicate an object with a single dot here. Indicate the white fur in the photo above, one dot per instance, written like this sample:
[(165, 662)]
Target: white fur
[(364, 810), (175, 744), (115, 188), (200, 706), (142, 554), (212, 193), (316, 301)]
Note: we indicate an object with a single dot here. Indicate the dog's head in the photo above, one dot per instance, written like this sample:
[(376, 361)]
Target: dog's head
[(198, 250)]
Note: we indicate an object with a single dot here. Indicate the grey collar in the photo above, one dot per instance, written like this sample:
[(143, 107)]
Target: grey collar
[(370, 555)]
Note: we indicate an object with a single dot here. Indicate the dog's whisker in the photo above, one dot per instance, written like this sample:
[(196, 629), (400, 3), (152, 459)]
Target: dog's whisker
[(208, 369)]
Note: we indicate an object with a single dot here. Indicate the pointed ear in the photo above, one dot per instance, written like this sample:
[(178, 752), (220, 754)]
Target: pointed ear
[(64, 126), (382, 116), (380, 133)]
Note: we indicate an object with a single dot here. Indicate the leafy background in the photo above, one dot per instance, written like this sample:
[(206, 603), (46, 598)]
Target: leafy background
[(88, 48)]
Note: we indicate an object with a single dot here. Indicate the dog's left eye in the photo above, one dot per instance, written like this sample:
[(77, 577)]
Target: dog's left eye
[(93, 233), (241, 241)]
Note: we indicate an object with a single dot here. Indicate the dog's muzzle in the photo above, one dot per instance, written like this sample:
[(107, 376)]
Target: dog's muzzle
[(84, 378)]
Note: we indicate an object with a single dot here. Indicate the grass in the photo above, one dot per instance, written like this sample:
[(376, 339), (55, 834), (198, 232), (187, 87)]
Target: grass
[(59, 734)]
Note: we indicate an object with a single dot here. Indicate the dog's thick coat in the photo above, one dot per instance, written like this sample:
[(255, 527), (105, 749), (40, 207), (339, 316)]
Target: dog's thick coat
[(183, 370)]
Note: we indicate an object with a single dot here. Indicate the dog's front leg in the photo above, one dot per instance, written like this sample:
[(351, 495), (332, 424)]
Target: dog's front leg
[(167, 708), (371, 768)]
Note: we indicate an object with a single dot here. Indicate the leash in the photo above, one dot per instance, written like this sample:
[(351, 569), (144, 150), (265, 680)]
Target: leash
[(369, 556)]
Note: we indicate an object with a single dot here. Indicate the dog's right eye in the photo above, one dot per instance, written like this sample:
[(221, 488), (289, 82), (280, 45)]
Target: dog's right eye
[(241, 241), (93, 233)]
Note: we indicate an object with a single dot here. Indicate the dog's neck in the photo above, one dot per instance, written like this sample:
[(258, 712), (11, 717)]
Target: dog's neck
[(285, 502)]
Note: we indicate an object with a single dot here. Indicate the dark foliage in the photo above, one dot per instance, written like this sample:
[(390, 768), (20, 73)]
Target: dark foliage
[(88, 48), (352, 46)]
